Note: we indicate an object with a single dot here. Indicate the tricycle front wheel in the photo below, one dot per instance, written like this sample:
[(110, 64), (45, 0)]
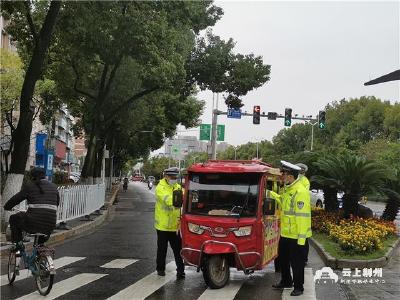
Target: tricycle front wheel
[(216, 271)]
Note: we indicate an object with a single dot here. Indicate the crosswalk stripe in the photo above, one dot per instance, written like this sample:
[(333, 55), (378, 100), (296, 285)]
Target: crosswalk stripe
[(119, 263), (227, 292), (58, 263), (147, 285), (65, 286), (309, 288)]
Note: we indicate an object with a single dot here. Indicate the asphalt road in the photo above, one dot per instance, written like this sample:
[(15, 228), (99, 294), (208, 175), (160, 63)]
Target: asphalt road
[(117, 261)]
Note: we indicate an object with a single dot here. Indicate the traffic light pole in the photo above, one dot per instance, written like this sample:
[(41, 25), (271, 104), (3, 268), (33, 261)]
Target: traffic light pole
[(217, 112)]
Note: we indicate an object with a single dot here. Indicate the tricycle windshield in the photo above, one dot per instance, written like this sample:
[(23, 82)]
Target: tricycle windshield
[(223, 194)]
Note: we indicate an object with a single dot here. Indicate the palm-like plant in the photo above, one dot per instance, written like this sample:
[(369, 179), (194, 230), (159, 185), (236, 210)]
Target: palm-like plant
[(392, 191), (326, 177), (353, 175)]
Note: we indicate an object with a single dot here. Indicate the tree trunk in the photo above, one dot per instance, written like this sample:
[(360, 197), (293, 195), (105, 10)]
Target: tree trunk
[(330, 199), (23, 131), (98, 165), (350, 204), (392, 207), (87, 169)]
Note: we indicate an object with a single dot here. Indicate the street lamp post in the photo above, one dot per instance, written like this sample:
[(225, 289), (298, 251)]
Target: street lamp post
[(312, 134)]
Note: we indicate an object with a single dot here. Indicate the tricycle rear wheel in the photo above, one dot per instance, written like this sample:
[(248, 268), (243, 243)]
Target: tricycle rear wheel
[(216, 271)]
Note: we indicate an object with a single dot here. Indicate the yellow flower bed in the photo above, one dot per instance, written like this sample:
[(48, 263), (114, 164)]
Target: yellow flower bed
[(355, 235)]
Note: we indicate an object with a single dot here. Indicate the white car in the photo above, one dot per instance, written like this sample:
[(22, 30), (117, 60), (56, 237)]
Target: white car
[(317, 198)]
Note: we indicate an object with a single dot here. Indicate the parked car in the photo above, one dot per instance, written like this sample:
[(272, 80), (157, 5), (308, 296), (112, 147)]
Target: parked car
[(317, 198)]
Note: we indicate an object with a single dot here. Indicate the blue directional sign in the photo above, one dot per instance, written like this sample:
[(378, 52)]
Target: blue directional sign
[(234, 113)]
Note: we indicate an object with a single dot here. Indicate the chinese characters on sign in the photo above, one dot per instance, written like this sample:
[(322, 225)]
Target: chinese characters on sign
[(349, 276), (362, 276)]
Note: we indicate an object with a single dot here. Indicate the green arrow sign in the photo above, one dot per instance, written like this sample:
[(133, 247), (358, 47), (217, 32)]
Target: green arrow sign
[(205, 132), (220, 133)]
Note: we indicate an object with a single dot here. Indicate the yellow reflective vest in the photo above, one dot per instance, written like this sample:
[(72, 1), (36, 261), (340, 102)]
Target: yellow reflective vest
[(166, 216), (296, 211), (304, 180)]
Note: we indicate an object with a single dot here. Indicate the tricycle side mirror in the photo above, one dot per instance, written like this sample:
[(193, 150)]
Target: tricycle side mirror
[(177, 198), (269, 206)]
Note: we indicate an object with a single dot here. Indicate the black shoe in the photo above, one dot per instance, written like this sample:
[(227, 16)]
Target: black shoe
[(180, 275), (280, 285), (296, 292), (161, 273)]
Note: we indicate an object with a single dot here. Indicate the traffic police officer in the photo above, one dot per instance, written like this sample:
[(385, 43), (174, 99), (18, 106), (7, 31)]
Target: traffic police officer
[(295, 228), (304, 180), (167, 221), (302, 176)]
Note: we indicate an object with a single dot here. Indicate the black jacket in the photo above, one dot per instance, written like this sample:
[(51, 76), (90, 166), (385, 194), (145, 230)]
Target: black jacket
[(38, 219)]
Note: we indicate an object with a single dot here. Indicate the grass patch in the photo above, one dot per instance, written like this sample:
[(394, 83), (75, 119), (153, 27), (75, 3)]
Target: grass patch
[(334, 249)]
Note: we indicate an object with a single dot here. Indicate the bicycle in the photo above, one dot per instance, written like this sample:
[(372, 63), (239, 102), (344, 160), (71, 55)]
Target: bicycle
[(39, 262)]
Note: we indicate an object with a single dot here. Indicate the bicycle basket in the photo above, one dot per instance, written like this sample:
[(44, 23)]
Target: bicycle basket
[(44, 250)]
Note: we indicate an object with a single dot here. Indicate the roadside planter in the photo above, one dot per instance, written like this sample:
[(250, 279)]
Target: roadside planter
[(354, 242)]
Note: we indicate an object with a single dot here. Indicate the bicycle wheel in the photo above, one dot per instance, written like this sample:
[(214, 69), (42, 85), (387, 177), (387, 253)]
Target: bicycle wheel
[(12, 266), (43, 278)]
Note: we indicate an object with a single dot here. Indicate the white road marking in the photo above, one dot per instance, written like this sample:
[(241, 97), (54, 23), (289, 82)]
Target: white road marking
[(227, 292), (65, 286), (147, 285), (58, 263), (119, 263), (309, 288)]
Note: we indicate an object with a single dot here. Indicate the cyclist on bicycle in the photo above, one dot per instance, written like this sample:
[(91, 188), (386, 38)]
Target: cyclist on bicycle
[(125, 186), (43, 199)]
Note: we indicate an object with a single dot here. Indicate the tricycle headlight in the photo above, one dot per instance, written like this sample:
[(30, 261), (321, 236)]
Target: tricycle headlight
[(243, 231), (195, 228)]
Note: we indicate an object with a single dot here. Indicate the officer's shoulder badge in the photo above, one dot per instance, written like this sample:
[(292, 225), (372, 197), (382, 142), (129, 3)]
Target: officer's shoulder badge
[(300, 204)]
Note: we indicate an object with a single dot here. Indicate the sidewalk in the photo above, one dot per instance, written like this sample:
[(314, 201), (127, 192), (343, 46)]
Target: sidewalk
[(76, 226)]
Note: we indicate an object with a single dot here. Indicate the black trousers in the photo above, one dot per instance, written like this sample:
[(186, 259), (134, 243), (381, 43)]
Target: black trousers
[(174, 239), (18, 223), (292, 256)]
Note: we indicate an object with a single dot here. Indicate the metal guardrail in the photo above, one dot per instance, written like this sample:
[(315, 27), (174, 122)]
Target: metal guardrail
[(77, 201)]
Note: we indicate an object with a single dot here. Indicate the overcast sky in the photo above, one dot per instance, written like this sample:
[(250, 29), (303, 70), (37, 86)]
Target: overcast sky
[(318, 52)]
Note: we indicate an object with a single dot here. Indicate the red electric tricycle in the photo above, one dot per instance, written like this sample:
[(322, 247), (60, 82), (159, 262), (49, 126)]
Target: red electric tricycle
[(227, 220)]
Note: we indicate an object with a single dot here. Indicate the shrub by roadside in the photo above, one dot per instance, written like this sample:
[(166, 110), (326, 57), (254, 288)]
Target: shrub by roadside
[(354, 235)]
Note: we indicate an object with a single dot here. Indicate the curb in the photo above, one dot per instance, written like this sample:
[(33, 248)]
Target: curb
[(335, 263), (59, 237)]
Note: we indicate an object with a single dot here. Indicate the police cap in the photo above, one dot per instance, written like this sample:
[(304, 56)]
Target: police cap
[(287, 166), (174, 171), (303, 167)]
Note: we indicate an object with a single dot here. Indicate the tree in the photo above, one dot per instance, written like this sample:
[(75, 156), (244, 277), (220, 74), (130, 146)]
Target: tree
[(214, 66), (392, 191), (292, 140), (129, 50), (11, 78), (353, 175), (21, 15), (44, 102)]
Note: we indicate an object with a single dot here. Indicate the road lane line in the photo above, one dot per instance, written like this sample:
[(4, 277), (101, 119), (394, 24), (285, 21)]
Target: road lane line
[(65, 286), (309, 288), (147, 285), (227, 292), (119, 263), (58, 263)]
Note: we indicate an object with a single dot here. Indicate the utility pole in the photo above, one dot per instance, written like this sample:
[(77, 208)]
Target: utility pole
[(257, 149), (214, 134)]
